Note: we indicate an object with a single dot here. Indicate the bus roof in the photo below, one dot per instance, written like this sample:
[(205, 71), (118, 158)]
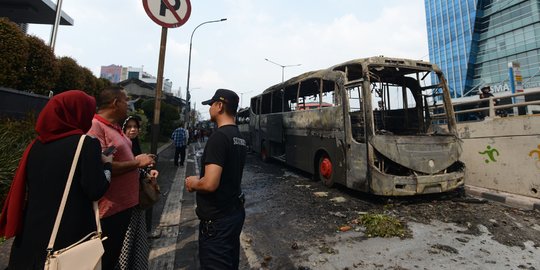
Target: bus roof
[(337, 72), (325, 74), (390, 61)]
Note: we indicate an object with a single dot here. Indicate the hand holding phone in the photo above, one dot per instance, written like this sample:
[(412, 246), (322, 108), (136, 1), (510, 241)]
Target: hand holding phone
[(109, 150)]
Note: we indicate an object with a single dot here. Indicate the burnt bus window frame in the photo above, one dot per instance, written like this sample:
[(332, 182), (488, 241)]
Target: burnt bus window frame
[(255, 105)]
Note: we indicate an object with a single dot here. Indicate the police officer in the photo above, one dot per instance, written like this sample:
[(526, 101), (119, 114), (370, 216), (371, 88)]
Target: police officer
[(220, 201)]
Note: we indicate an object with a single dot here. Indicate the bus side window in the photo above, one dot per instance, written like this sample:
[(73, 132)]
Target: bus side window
[(355, 99), (277, 101), (255, 105), (266, 104)]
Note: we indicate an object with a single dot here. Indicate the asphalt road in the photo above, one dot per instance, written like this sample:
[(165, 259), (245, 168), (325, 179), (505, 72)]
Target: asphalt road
[(293, 223)]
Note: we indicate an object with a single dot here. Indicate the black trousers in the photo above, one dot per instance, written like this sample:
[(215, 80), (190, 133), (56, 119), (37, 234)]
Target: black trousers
[(219, 241), (182, 151), (114, 227)]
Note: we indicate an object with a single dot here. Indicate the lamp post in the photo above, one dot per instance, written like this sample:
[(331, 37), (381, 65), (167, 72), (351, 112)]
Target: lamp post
[(188, 95), (282, 68)]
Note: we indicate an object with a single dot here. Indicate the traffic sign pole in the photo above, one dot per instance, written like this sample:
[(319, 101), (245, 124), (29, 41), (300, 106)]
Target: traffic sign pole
[(168, 15), (159, 87)]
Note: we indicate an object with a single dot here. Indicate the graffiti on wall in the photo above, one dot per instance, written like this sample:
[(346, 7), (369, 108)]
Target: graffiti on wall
[(537, 158), (489, 154)]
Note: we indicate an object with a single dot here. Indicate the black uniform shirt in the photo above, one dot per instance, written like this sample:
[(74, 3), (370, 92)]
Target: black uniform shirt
[(228, 149)]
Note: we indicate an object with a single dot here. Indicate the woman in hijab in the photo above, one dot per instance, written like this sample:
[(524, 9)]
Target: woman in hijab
[(37, 188), (135, 249)]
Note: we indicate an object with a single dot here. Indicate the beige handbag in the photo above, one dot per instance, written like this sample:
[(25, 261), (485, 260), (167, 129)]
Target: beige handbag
[(85, 253)]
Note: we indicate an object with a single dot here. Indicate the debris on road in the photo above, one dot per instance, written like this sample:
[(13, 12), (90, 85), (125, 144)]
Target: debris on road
[(382, 225), (338, 200), (320, 194), (445, 248), (338, 214)]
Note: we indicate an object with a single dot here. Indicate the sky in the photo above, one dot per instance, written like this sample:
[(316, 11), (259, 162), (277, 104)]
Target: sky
[(231, 54)]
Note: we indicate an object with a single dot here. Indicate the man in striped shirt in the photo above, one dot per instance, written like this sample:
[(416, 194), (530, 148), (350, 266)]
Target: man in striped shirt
[(180, 137)]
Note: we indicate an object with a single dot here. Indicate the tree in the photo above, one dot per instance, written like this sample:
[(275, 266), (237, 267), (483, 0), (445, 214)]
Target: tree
[(168, 113), (71, 75), (90, 82), (13, 53), (41, 71)]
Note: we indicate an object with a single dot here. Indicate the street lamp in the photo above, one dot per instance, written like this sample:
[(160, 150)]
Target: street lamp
[(188, 96), (282, 68)]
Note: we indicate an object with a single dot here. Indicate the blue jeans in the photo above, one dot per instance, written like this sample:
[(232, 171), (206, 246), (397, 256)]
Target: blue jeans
[(219, 241)]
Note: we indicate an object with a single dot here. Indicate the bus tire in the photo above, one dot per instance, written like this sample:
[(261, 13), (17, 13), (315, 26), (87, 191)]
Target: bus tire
[(326, 170)]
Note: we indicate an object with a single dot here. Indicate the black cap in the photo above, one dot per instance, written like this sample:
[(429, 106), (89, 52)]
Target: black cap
[(226, 96)]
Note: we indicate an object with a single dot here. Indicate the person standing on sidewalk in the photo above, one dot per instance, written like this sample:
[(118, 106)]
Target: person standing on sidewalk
[(180, 137), (115, 207), (36, 191), (220, 201)]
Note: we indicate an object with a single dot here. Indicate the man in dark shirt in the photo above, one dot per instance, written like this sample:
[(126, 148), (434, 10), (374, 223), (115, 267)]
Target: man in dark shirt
[(484, 94), (220, 201)]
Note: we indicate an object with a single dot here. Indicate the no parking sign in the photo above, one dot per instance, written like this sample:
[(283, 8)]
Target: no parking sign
[(168, 13)]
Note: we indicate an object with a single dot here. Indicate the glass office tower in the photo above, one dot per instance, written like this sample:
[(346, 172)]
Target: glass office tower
[(474, 40)]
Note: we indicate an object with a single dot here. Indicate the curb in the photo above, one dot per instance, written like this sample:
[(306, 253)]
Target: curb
[(513, 200), (163, 147)]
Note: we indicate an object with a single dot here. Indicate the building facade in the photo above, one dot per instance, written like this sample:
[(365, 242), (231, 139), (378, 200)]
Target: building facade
[(112, 73), (473, 42), (116, 74)]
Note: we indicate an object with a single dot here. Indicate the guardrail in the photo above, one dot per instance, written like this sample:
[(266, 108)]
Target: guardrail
[(491, 108)]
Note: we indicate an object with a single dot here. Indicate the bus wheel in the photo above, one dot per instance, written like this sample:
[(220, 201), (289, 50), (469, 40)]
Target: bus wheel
[(326, 173), (264, 154)]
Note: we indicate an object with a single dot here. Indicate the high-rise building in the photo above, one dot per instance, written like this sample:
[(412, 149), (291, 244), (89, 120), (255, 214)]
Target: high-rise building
[(473, 42)]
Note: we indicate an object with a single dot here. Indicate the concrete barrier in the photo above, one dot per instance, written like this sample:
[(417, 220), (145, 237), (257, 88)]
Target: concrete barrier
[(503, 154)]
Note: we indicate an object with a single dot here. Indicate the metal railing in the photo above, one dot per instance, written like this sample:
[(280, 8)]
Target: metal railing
[(492, 108)]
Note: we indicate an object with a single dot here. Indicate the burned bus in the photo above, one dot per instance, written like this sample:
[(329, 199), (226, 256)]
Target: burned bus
[(374, 131), (242, 121)]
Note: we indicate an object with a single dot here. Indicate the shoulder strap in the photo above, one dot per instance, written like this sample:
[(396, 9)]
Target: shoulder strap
[(64, 198)]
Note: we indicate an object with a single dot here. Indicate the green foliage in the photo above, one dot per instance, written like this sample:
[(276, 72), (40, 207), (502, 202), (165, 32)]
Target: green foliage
[(90, 82), (71, 76), (382, 225), (168, 116), (13, 53), (101, 83), (28, 64), (41, 70), (15, 135)]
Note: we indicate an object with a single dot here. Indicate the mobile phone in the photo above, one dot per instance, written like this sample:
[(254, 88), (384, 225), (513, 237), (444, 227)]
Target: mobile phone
[(109, 150)]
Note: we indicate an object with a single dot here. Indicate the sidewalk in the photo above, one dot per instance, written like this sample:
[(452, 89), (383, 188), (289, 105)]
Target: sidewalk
[(174, 236), (173, 240)]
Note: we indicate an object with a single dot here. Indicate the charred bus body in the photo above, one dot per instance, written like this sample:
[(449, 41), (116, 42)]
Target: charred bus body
[(242, 121), (377, 136)]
